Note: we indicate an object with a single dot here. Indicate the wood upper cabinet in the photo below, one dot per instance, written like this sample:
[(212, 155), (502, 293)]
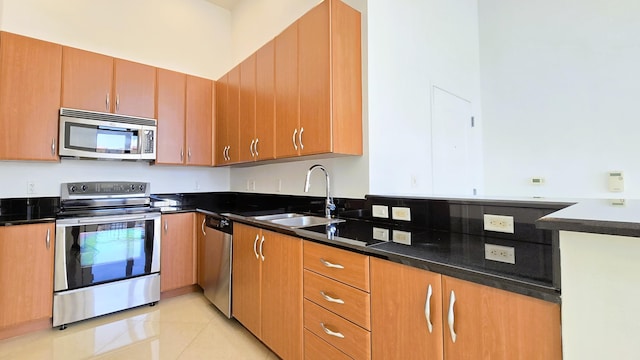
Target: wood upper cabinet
[(265, 102), (267, 288), (287, 95), (247, 110), (402, 308), (227, 118), (30, 78), (96, 82), (199, 121), (26, 274), (171, 117), (319, 83), (221, 95), (178, 251), (489, 323)]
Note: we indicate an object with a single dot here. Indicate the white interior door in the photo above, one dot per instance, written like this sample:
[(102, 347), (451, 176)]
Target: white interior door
[(450, 141)]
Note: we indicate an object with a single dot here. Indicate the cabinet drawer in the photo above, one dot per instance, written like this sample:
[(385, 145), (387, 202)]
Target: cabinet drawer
[(350, 303), (343, 334), (318, 349), (344, 266)]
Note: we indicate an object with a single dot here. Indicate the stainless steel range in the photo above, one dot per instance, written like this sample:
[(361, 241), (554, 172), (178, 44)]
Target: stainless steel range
[(107, 254)]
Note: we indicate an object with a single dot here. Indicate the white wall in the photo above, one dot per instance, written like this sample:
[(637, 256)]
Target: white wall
[(191, 36), (413, 46), (560, 88), (254, 23)]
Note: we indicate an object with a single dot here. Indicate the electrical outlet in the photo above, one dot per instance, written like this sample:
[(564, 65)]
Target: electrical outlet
[(505, 254), (31, 187), (380, 211), (402, 237), (381, 234), (401, 213), (498, 223)]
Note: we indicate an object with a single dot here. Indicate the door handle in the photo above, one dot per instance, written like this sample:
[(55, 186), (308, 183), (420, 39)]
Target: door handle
[(251, 148), (202, 227), (189, 154), (300, 138), (331, 299), (330, 265), (293, 138), (262, 243), (117, 102), (166, 226), (48, 239), (427, 309), (255, 242), (332, 333), (182, 154), (53, 146), (255, 147), (451, 317), (107, 102)]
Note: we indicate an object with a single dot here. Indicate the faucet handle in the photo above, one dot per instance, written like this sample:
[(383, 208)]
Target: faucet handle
[(331, 206)]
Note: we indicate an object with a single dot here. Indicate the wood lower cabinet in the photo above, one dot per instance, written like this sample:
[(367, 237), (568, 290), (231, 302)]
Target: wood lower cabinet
[(97, 82), (30, 78), (26, 275), (200, 248), (402, 308), (177, 251), (488, 323), (267, 288)]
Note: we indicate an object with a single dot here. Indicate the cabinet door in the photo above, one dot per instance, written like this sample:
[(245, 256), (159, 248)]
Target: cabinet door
[(315, 84), (200, 239), (135, 89), (221, 119), (287, 95), (177, 253), (86, 80), (26, 273), (245, 281), (171, 120), (199, 121), (247, 108), (265, 102), (495, 324), (30, 75), (233, 115), (282, 294), (401, 308)]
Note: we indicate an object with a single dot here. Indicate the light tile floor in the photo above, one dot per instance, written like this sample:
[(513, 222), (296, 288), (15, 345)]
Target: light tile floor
[(184, 327)]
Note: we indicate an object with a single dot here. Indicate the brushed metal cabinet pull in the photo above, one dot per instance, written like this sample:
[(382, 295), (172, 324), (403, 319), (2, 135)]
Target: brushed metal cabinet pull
[(330, 265), (332, 333), (300, 138), (255, 147), (53, 146), (251, 148), (331, 299), (261, 244), (427, 309), (451, 317), (181, 154), (166, 226), (189, 154), (202, 227), (293, 138), (107, 102), (117, 102), (48, 239), (255, 242)]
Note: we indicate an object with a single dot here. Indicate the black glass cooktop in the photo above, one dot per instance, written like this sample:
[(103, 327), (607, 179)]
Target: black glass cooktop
[(523, 260)]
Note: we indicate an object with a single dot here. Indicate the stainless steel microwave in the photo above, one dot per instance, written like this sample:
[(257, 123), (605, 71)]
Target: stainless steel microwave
[(96, 135)]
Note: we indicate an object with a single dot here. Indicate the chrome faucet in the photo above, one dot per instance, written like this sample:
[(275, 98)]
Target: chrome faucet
[(329, 205)]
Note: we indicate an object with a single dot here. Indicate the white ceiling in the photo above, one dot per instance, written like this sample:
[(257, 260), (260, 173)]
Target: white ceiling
[(227, 4)]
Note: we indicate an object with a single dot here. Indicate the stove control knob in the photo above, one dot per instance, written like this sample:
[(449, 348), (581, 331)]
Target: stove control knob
[(73, 188), (84, 188), (133, 187), (141, 187)]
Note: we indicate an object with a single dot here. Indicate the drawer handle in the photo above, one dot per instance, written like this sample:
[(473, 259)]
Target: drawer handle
[(331, 299), (332, 333), (330, 265), (262, 253), (427, 309), (451, 318)]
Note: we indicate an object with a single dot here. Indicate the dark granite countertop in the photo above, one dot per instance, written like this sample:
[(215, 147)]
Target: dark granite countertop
[(20, 211), (597, 216)]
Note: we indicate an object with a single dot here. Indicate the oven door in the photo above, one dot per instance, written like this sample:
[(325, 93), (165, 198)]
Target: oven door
[(101, 249)]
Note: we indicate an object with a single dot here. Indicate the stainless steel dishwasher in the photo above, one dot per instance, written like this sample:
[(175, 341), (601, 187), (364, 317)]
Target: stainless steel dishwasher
[(216, 270)]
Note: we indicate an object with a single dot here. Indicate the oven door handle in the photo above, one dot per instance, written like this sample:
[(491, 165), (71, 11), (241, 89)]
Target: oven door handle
[(107, 219)]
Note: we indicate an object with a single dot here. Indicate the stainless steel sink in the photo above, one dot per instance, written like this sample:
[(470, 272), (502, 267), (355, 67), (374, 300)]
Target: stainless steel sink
[(304, 221), (276, 216)]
